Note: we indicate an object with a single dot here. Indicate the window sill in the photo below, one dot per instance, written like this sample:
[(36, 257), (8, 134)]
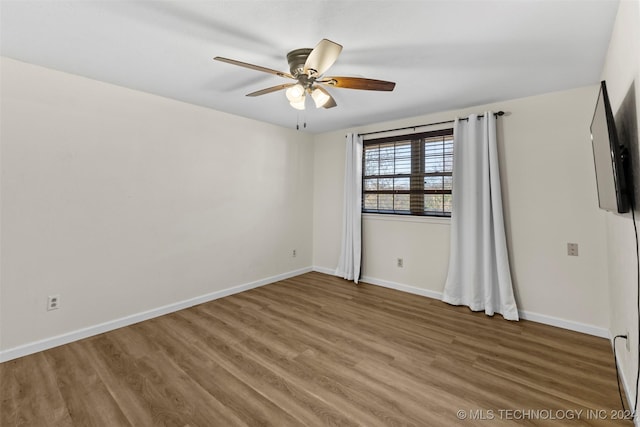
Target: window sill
[(407, 218)]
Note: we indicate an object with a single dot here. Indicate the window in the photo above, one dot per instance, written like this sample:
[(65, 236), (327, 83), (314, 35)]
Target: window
[(408, 174)]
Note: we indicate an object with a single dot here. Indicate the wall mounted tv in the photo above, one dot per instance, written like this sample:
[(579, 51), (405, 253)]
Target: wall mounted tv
[(610, 158)]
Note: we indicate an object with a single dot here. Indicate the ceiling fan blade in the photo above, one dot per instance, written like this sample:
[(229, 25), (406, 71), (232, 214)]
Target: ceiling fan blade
[(254, 67), (322, 57), (358, 83), (271, 89)]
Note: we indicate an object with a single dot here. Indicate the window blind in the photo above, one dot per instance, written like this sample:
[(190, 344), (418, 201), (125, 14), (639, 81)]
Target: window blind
[(408, 174)]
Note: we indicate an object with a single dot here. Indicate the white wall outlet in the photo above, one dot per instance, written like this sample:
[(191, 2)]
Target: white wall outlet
[(400, 263), (53, 302), (293, 253), (572, 249)]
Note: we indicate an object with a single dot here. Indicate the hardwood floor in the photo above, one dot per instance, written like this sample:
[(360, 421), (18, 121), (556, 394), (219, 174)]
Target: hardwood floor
[(316, 350)]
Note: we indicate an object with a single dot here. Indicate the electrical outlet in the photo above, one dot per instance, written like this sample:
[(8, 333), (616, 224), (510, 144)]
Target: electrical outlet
[(572, 249), (293, 253), (400, 263), (53, 302)]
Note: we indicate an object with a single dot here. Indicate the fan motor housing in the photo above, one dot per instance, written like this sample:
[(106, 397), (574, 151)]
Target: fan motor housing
[(296, 59)]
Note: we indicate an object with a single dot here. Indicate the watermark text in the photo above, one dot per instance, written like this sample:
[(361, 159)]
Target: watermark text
[(542, 414)]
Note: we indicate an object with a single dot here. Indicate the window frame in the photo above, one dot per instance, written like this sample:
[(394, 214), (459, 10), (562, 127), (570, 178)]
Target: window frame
[(416, 176)]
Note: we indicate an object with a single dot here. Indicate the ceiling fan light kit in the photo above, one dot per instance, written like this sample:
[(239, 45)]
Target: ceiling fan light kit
[(296, 95), (308, 66)]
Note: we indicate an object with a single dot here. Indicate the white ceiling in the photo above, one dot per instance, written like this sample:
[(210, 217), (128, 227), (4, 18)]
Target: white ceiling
[(443, 54)]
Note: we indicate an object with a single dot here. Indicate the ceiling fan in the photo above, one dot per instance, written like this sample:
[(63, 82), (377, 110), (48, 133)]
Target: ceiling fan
[(308, 66)]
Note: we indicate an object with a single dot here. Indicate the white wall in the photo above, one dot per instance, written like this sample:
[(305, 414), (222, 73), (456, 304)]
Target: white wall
[(549, 200), (122, 202), (622, 74)]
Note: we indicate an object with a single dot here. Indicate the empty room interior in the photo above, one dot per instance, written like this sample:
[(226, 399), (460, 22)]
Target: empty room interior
[(346, 213)]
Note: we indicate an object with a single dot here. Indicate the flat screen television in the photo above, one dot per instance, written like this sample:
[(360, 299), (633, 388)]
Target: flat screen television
[(609, 156)]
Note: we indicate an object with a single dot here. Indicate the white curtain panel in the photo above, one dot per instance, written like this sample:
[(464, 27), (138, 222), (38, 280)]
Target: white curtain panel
[(351, 250), (479, 274)]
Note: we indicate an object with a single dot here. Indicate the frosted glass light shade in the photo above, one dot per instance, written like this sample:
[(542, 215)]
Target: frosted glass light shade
[(299, 103), (319, 97), (295, 93)]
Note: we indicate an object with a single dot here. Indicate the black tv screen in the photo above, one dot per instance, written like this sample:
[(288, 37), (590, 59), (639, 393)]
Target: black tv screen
[(608, 157)]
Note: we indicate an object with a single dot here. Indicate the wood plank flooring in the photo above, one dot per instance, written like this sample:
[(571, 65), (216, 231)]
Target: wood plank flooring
[(316, 350)]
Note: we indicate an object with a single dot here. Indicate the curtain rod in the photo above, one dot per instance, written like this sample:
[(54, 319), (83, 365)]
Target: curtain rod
[(499, 113)]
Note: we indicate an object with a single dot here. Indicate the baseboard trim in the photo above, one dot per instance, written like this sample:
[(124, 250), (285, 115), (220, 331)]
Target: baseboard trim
[(325, 270), (565, 324), (66, 338), (625, 386), (525, 315), (402, 287)]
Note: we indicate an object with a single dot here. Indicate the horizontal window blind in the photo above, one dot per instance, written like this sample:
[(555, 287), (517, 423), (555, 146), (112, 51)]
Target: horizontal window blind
[(409, 174)]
